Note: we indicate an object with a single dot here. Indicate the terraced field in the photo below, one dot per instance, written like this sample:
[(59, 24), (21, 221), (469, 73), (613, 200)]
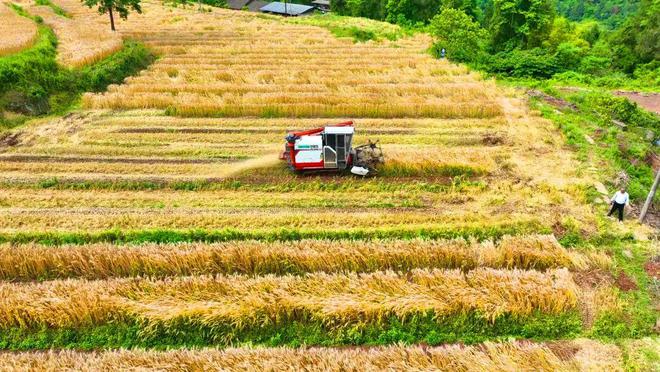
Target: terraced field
[(159, 215), (24, 32)]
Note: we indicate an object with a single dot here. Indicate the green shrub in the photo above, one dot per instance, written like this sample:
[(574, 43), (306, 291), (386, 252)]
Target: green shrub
[(595, 65), (32, 83), (568, 56), (535, 63), (112, 70), (456, 32)]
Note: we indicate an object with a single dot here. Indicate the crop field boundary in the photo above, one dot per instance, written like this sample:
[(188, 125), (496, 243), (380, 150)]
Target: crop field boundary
[(470, 328), (211, 236)]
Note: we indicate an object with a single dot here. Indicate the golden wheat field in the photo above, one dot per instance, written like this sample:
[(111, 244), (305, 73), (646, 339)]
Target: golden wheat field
[(158, 215), (23, 31), (77, 46)]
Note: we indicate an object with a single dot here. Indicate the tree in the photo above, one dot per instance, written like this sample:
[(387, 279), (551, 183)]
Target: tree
[(411, 11), (121, 6), (638, 40), (470, 7), (455, 31), (520, 23)]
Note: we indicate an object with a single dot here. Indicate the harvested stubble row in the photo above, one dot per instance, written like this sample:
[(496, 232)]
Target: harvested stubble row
[(16, 32), (242, 302), (181, 158), (101, 261), (146, 166), (578, 355), (257, 136), (465, 143), (225, 199), (256, 219)]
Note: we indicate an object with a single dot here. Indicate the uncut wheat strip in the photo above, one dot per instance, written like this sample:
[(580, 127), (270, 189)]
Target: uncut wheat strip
[(16, 32), (218, 137), (430, 73), (103, 261), (170, 85), (586, 355), (245, 301), (151, 118), (346, 98), (233, 130), (336, 78), (192, 105)]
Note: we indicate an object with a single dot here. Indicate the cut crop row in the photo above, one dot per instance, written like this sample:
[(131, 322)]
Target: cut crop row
[(240, 302), (101, 261), (569, 356)]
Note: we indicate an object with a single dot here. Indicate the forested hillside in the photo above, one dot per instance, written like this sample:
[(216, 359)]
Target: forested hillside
[(609, 43)]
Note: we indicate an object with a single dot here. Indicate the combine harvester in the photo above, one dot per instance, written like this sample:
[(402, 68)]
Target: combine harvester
[(330, 148)]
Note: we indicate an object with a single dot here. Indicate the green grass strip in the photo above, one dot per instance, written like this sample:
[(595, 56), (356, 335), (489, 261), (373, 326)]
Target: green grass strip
[(467, 328), (211, 236)]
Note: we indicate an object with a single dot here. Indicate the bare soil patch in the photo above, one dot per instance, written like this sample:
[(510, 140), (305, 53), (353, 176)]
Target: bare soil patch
[(563, 350), (593, 278), (554, 101), (9, 139), (653, 268), (649, 101), (625, 283)]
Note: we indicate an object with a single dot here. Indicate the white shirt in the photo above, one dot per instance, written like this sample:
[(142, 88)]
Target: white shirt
[(620, 198)]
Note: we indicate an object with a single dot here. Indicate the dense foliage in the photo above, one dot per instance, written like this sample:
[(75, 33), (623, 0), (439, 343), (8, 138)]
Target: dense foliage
[(573, 39), (612, 12)]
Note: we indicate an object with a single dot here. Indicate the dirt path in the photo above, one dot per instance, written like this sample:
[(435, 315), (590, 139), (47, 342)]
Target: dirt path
[(649, 101)]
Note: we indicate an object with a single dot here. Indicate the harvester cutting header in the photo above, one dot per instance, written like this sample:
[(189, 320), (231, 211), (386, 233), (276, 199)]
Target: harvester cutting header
[(330, 148)]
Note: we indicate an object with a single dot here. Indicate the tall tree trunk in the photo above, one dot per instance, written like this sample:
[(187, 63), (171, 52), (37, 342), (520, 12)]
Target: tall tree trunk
[(112, 19)]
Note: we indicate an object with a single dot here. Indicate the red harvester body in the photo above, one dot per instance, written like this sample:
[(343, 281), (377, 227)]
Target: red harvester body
[(329, 148)]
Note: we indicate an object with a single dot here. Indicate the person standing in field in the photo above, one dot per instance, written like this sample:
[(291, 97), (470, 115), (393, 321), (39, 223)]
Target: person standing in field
[(619, 201)]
